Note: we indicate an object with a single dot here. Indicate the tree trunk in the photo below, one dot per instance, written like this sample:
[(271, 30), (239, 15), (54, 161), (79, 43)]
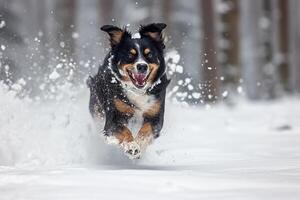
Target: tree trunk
[(269, 40), (283, 45), (105, 8), (65, 15), (294, 45), (250, 48), (210, 69), (228, 45)]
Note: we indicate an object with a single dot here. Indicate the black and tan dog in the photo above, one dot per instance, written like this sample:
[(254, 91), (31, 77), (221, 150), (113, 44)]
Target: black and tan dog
[(130, 87)]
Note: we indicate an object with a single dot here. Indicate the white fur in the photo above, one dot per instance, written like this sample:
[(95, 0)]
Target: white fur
[(136, 36), (140, 59), (143, 102), (135, 123), (133, 146)]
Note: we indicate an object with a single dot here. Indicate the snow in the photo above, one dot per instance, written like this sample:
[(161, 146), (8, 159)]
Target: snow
[(179, 69), (75, 35), (16, 87), (54, 75), (190, 87), (113, 80), (196, 95), (172, 55), (59, 66), (239, 89), (2, 24), (225, 93), (50, 150), (62, 44)]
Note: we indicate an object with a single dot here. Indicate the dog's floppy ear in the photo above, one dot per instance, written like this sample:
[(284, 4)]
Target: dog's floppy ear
[(154, 31), (115, 33)]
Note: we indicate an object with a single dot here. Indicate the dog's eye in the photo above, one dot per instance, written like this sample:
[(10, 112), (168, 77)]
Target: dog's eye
[(149, 55)]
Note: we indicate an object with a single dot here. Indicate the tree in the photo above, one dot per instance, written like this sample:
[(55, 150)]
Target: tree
[(294, 45), (283, 45), (250, 54), (10, 38), (210, 69), (228, 43), (65, 13)]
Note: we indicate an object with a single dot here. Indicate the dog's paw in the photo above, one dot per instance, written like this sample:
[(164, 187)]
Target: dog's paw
[(132, 150)]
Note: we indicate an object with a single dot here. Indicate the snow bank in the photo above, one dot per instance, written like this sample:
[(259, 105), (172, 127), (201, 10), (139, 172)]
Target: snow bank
[(61, 132), (250, 151), (46, 133)]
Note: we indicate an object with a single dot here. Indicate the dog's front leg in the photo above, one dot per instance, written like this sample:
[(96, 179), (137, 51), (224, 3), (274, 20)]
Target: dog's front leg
[(152, 125), (145, 136), (122, 136)]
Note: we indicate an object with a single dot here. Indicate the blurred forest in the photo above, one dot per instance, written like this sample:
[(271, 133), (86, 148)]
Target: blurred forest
[(226, 47)]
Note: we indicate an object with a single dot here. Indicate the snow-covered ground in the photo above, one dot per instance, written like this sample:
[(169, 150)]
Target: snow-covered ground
[(249, 151)]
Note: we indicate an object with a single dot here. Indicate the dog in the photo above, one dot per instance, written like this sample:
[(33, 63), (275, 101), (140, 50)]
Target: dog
[(130, 88)]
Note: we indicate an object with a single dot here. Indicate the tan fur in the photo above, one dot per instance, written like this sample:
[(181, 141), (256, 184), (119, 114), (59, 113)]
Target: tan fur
[(125, 68), (146, 51), (124, 136), (116, 36), (153, 110), (154, 35), (153, 68), (133, 51), (145, 136), (145, 131), (123, 107)]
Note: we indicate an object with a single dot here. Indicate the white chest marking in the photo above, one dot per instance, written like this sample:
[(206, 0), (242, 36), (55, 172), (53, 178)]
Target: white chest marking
[(143, 102)]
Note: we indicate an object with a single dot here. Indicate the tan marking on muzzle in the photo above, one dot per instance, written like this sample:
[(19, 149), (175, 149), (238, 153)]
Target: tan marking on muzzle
[(153, 71), (125, 68)]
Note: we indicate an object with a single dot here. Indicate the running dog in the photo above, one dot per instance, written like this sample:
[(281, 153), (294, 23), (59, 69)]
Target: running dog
[(130, 87)]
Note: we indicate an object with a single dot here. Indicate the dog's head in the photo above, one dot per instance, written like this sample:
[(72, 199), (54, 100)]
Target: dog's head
[(137, 61)]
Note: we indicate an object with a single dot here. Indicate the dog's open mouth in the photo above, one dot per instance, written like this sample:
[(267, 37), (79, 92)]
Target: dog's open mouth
[(138, 79)]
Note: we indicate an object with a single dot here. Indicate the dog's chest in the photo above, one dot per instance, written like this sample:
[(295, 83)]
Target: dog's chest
[(142, 103)]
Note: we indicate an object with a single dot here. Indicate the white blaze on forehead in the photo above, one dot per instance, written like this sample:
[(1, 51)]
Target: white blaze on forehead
[(140, 59), (136, 36)]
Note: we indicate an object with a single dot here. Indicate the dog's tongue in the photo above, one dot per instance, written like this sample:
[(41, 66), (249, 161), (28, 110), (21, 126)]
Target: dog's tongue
[(140, 78)]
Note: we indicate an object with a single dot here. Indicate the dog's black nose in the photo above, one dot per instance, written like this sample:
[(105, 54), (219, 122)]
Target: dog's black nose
[(142, 68)]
